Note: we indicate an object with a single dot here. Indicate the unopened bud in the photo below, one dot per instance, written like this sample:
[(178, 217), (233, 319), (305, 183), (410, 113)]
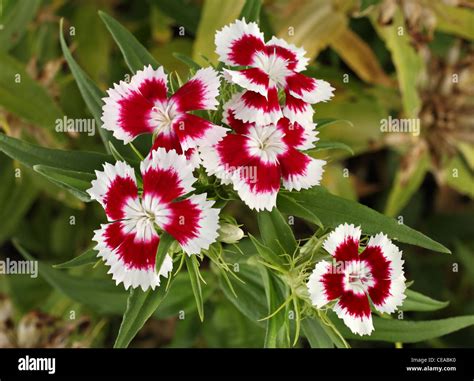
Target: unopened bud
[(229, 233)]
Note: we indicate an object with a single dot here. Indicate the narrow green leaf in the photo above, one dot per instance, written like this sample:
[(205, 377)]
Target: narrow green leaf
[(277, 328), (193, 271), (419, 302), (394, 330), (31, 155), (24, 97), (327, 145), (88, 257), (165, 242), (326, 122), (15, 21), (276, 232), (316, 335), (251, 10), (267, 254), (287, 203), (333, 211), (135, 54), (140, 307), (187, 60), (75, 182)]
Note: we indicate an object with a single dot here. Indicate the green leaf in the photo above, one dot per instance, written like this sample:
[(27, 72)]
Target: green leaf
[(407, 62), (193, 271), (407, 181), (91, 94), (140, 306), (135, 54), (327, 145), (187, 60), (333, 211), (326, 122), (316, 334), (289, 204), (267, 254), (31, 155), (88, 257), (251, 10), (457, 174), (277, 328), (15, 21), (16, 197), (21, 95), (454, 19), (75, 182), (165, 242), (276, 232), (419, 302), (394, 330), (215, 15)]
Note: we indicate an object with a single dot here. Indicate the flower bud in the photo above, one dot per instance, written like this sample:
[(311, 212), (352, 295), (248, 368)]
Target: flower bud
[(229, 233)]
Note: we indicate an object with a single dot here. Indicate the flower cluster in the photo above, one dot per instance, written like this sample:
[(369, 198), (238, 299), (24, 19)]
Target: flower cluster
[(351, 279), (269, 123), (264, 148)]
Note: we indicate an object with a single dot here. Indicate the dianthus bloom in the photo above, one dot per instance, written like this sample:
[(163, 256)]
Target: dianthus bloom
[(255, 159), (270, 66), (128, 242), (352, 278), (143, 106)]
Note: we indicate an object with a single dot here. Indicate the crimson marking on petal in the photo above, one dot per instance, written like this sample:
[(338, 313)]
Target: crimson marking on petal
[(134, 112), (294, 133), (293, 55), (168, 141), (153, 89), (347, 250), (380, 270), (184, 221), (354, 309), (253, 79), (120, 190), (134, 253), (165, 184), (254, 107), (244, 49), (199, 93), (193, 131), (299, 84), (297, 110)]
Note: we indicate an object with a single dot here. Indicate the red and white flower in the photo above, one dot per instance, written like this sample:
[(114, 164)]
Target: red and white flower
[(256, 158), (143, 106), (128, 242), (352, 278), (271, 65)]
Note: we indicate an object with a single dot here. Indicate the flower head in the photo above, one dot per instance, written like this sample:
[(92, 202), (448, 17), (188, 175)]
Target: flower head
[(128, 243), (256, 158), (353, 278), (143, 106), (271, 66)]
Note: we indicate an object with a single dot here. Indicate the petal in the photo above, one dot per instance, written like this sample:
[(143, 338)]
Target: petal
[(308, 89), (237, 43), (253, 79), (194, 131), (294, 56), (199, 93), (131, 258), (343, 242), (114, 188), (386, 266), (127, 108), (256, 181), (354, 310), (255, 108), (228, 116), (297, 110), (324, 284), (300, 171), (152, 84), (193, 223), (297, 136), (166, 175)]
